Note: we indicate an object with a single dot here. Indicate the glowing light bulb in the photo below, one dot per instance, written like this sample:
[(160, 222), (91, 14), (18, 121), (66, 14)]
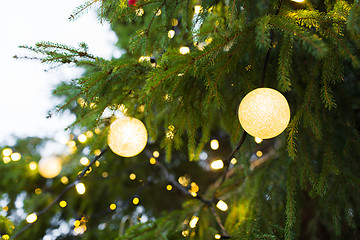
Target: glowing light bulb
[(127, 136), (15, 156), (84, 161), (233, 161), (194, 220), (258, 140), (64, 180), (184, 50), (7, 152), (298, 1), (132, 176), (32, 166), (169, 187), (31, 218), (217, 236), (113, 206), (214, 144), (222, 205), (6, 160), (259, 153), (197, 9), (136, 201), (80, 188), (264, 113), (217, 164), (171, 33), (49, 167), (63, 204), (152, 161)]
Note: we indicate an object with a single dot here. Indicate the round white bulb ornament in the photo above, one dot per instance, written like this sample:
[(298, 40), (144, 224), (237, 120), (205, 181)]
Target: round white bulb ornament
[(49, 167), (127, 136), (264, 113)]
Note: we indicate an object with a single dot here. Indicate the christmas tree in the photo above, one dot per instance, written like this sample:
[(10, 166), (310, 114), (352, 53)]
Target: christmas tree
[(160, 148)]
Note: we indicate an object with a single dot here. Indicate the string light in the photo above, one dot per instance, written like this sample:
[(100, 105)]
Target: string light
[(37, 191), (89, 134), (49, 167), (136, 201), (171, 33), (31, 218), (258, 140), (127, 136), (198, 9), (222, 205), (132, 176), (80, 188), (7, 152), (32, 166), (139, 12), (64, 180), (174, 22), (5, 237), (214, 144), (6, 160), (217, 164), (264, 113), (63, 204), (105, 174), (259, 153), (217, 236), (113, 206), (184, 50), (169, 187), (84, 161), (15, 156), (233, 161), (194, 220), (156, 154), (82, 138), (298, 1), (152, 161)]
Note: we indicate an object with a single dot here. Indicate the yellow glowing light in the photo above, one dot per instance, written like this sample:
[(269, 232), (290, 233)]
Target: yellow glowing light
[(258, 140), (156, 154), (194, 220), (113, 206), (185, 233), (264, 113), (214, 144), (217, 236), (7, 152), (198, 9), (298, 1), (80, 188), (31, 218), (97, 152), (15, 156), (105, 174), (184, 50), (132, 176), (174, 22), (127, 136), (144, 59), (158, 12), (5, 237), (49, 167), (259, 153), (71, 144), (37, 191), (136, 201), (82, 138), (80, 229), (194, 194), (89, 134), (222, 205), (77, 223), (62, 204), (64, 180), (184, 180), (6, 159), (139, 12), (169, 187), (97, 163), (32, 166), (84, 161), (6, 208), (152, 161), (194, 187), (97, 131), (217, 164), (233, 161), (171, 33)]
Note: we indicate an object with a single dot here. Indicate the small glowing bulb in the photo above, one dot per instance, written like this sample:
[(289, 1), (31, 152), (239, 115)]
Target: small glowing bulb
[(264, 113), (174, 22), (158, 12), (222, 205), (197, 9), (15, 156), (62, 204), (77, 223), (7, 152), (217, 164), (258, 140), (80, 188), (217, 236), (82, 138), (184, 50), (127, 136), (89, 134), (136, 201), (156, 154), (152, 161), (97, 152), (185, 233), (64, 180), (113, 206), (139, 12), (105, 174), (259, 153), (5, 237), (31, 218), (171, 33), (71, 144), (84, 161), (6, 160), (169, 187), (132, 176), (233, 161), (298, 1), (214, 144), (194, 220), (32, 166), (37, 191)]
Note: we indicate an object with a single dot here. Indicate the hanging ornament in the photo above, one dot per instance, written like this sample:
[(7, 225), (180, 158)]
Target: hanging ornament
[(49, 167), (127, 136), (132, 2), (264, 113)]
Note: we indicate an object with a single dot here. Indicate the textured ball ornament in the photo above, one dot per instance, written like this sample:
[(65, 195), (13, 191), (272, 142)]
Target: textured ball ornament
[(132, 2), (127, 136), (49, 167), (264, 113)]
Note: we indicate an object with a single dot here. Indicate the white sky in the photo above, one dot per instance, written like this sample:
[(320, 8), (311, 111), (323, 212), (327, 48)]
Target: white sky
[(25, 88)]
